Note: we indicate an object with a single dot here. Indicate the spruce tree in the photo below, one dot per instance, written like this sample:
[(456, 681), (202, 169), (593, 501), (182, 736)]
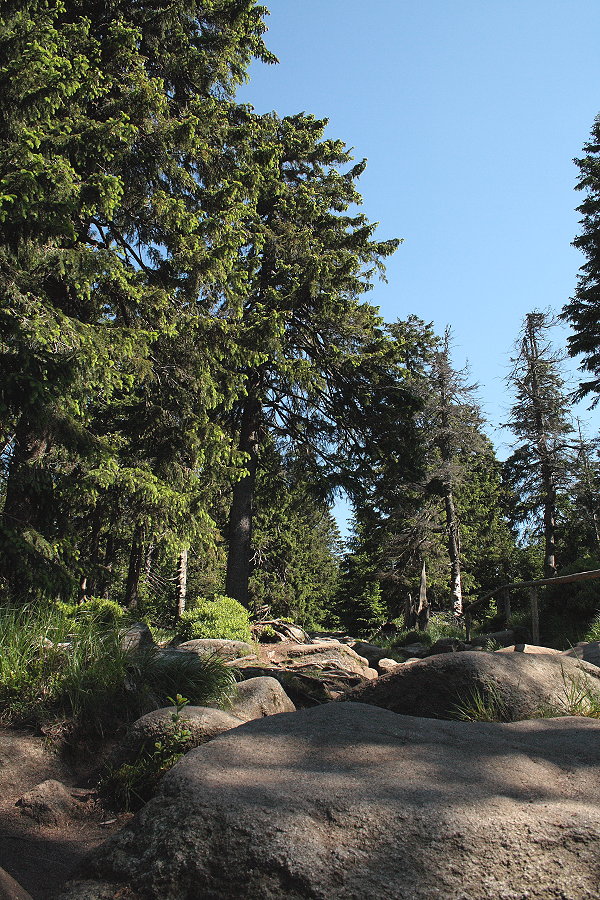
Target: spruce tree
[(117, 224), (316, 354), (541, 423), (583, 310)]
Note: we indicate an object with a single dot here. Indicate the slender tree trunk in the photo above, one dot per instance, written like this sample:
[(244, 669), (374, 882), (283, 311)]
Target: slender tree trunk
[(410, 613), (104, 580), (88, 580), (549, 490), (136, 562), (532, 355), (240, 516), (423, 607), (181, 582), (453, 552)]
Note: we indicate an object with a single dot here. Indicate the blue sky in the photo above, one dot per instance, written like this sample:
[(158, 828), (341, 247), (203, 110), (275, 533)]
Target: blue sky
[(470, 113)]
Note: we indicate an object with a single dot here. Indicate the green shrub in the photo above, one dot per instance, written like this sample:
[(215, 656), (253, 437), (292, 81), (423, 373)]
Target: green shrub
[(267, 635), (483, 704), (102, 611), (157, 675), (444, 625), (54, 665), (219, 617), (411, 637)]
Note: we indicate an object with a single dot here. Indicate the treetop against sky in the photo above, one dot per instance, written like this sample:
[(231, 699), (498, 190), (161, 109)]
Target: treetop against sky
[(470, 115)]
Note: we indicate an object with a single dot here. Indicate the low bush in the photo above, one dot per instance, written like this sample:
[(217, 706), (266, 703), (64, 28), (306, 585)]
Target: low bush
[(131, 785), (219, 617), (98, 609)]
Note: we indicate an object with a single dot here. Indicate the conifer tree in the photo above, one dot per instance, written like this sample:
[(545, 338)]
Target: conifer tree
[(115, 218), (317, 356), (541, 423), (583, 310)]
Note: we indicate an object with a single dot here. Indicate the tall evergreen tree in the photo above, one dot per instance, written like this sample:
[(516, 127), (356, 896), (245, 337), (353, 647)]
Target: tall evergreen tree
[(541, 423), (583, 310), (317, 356), (115, 216)]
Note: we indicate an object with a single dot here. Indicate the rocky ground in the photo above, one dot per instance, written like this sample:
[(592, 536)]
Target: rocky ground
[(43, 841), (51, 819)]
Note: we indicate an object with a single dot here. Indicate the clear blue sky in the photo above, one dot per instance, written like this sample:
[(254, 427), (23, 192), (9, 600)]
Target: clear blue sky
[(470, 113)]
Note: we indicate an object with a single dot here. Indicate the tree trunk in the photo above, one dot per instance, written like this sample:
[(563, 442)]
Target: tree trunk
[(105, 576), (181, 582), (423, 607), (453, 552), (240, 516), (136, 561), (410, 613), (549, 522)]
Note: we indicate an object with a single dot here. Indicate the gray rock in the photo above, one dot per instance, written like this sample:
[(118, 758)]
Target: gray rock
[(202, 722), (447, 645), (371, 652), (520, 684), (11, 889), (258, 697), (527, 648), (385, 666), (327, 657), (351, 802), (304, 689), (228, 650), (414, 651), (586, 650), (280, 631), (137, 637), (515, 635), (49, 803)]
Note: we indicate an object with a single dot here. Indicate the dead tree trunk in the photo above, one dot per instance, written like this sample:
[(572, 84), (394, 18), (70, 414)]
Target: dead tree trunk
[(181, 582), (423, 607)]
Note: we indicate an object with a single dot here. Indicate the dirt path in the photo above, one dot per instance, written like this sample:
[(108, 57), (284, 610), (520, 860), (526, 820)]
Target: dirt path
[(42, 857)]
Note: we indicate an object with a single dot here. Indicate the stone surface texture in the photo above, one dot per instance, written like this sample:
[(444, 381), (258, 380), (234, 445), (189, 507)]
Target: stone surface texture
[(522, 683), (227, 650), (11, 889), (586, 650), (258, 697), (352, 802)]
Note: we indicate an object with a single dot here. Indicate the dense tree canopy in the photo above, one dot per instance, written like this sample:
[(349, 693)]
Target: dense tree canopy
[(190, 368)]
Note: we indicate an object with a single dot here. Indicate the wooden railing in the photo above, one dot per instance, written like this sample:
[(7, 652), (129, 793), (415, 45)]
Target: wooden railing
[(533, 588)]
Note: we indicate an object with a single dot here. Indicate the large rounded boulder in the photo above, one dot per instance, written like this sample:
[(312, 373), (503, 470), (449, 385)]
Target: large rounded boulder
[(351, 802), (506, 686)]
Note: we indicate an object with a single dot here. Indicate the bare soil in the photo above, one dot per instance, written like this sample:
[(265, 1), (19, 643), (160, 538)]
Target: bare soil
[(42, 857)]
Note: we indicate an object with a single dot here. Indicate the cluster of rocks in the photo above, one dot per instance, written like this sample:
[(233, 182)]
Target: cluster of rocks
[(346, 800), (381, 794)]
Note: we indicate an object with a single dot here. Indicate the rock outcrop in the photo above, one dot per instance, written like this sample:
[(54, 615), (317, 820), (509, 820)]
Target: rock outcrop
[(11, 889), (351, 802), (258, 697), (227, 650), (518, 684), (253, 699)]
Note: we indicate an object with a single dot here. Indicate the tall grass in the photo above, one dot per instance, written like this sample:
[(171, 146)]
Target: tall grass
[(593, 632), (54, 665)]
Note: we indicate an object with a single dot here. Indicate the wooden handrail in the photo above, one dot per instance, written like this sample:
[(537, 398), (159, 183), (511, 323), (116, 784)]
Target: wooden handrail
[(558, 579)]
